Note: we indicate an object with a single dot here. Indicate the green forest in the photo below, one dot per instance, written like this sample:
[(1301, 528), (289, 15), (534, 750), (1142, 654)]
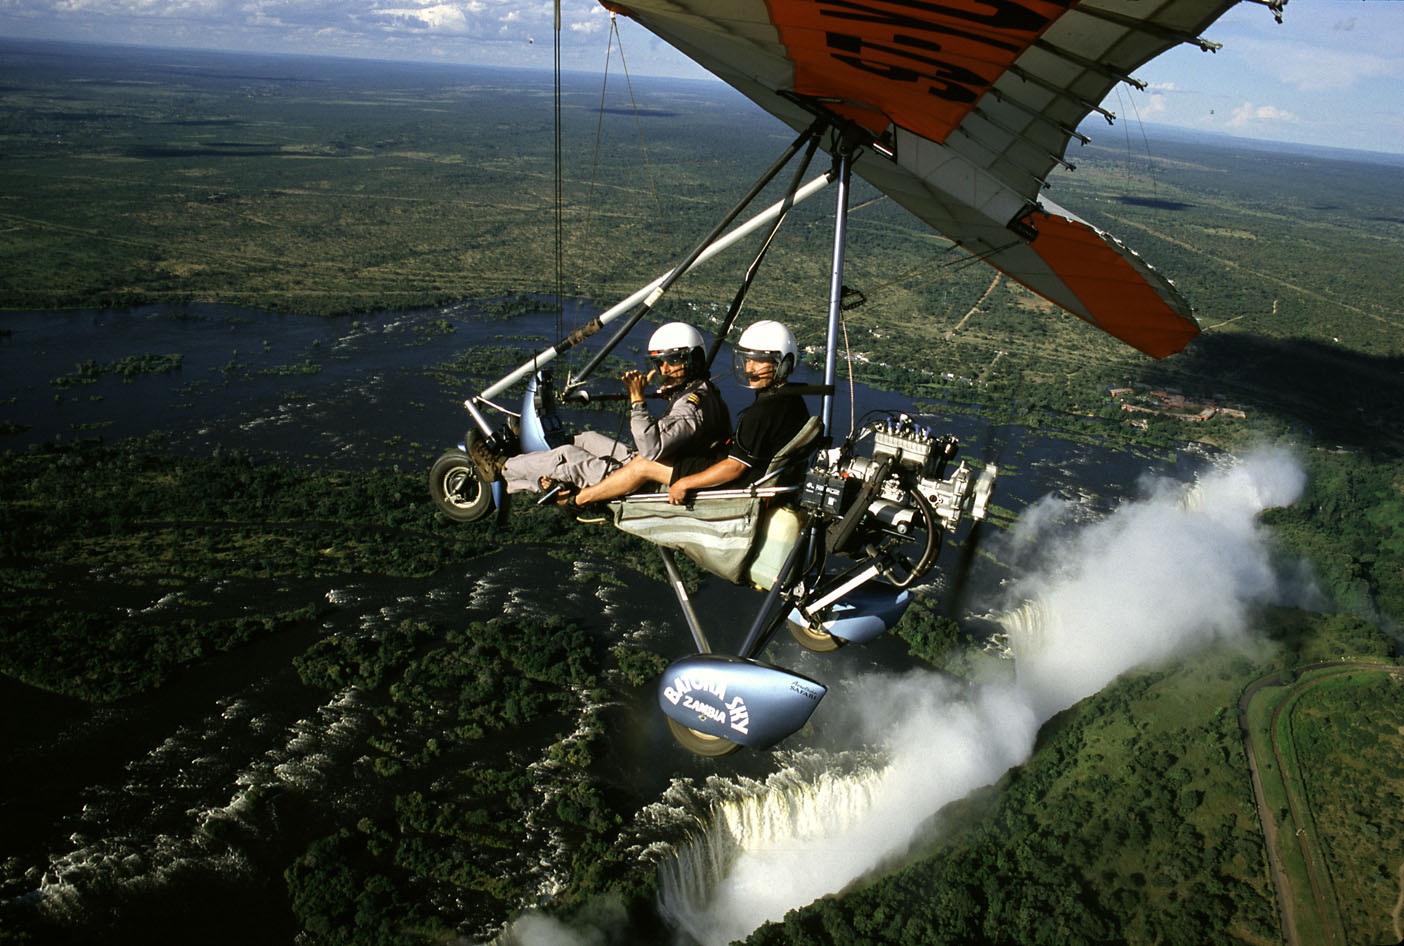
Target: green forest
[(320, 188)]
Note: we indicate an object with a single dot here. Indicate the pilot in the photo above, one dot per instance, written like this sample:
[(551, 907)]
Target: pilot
[(764, 357), (696, 419)]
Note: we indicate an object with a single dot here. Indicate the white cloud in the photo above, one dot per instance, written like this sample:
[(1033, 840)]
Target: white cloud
[(435, 18), (1314, 66), (176, 9), (596, 21), (1253, 116), (1332, 68)]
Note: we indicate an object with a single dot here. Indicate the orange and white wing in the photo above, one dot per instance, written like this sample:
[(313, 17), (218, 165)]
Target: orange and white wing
[(976, 101)]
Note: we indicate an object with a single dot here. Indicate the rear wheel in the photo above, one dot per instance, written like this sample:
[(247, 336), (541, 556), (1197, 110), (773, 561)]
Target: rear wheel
[(700, 743), (816, 639), (455, 488)]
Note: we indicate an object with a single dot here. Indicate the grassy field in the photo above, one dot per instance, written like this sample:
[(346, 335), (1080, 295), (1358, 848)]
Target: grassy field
[(321, 187), (1328, 744), (1348, 754)]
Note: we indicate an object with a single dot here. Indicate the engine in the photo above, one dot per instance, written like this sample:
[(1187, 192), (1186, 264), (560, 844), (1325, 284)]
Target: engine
[(894, 457)]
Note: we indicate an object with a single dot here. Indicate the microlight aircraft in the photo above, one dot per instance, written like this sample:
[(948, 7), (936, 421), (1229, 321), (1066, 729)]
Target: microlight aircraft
[(958, 110)]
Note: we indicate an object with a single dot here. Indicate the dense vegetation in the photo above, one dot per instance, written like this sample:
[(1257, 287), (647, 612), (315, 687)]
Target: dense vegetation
[(322, 188), (1344, 748), (1132, 822), (80, 559)]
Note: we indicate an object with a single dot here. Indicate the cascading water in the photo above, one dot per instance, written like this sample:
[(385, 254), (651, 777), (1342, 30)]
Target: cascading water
[(1024, 626), (761, 849), (1154, 580), (814, 796)]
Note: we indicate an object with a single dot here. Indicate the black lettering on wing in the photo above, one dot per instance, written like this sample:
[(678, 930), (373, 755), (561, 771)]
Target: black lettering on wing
[(948, 81), (863, 13), (994, 14)]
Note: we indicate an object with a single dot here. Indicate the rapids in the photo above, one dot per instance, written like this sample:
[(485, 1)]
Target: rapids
[(145, 814)]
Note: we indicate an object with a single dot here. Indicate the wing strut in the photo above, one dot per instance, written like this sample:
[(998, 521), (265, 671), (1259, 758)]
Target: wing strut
[(676, 273), (739, 299), (694, 623), (740, 233), (548, 355), (845, 168)]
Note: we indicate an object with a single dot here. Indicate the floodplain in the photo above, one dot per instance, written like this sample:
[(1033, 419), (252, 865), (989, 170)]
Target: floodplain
[(330, 189)]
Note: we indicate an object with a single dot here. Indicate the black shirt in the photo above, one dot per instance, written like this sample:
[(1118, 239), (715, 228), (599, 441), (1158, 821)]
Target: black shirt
[(762, 430)]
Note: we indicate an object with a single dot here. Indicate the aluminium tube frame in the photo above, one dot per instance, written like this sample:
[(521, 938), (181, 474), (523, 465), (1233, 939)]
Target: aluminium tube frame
[(765, 624), (811, 135), (724, 242), (694, 623), (845, 170)]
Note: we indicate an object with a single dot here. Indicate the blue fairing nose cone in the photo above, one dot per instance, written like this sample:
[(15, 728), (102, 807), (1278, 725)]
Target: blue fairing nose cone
[(738, 700)]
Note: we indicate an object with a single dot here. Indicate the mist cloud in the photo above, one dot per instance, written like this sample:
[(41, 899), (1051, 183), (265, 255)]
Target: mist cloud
[(1156, 580)]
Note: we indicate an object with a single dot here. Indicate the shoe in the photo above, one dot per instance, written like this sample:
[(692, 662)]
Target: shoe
[(487, 461), (560, 492), (590, 512)]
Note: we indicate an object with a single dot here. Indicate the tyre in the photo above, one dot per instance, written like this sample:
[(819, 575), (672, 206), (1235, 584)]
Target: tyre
[(699, 743), (816, 639), (455, 488)]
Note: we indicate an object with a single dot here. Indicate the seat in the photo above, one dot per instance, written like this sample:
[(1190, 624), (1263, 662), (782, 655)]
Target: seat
[(794, 456), (723, 530)]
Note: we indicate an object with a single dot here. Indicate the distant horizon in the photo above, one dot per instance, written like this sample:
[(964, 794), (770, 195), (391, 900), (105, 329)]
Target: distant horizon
[(1224, 139), (1093, 125), (1324, 73)]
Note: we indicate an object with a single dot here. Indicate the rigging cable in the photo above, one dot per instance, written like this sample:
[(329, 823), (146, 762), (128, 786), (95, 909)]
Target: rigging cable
[(1150, 158), (1127, 129), (560, 241), (612, 35), (938, 269), (919, 269), (657, 203), (599, 132), (848, 360), (739, 299)]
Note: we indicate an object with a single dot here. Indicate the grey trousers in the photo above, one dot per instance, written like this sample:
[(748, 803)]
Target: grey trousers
[(585, 461)]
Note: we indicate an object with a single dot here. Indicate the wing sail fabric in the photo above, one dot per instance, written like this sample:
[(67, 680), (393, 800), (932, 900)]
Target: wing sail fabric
[(979, 99)]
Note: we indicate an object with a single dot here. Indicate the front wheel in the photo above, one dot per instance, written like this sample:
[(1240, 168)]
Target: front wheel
[(699, 743), (455, 488)]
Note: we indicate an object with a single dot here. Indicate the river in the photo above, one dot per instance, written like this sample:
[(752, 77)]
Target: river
[(109, 814)]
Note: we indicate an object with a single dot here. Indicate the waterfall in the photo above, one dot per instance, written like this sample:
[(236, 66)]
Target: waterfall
[(1152, 582), (823, 822), (1025, 625), (813, 797)]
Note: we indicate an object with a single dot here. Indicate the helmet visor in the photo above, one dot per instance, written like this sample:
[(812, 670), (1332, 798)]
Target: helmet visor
[(670, 356), (751, 365)]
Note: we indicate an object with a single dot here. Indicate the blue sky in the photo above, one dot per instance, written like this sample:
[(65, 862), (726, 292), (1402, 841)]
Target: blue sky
[(1329, 75)]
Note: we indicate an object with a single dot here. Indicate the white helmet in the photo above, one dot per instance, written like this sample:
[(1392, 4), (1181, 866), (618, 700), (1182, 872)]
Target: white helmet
[(766, 341), (674, 341)]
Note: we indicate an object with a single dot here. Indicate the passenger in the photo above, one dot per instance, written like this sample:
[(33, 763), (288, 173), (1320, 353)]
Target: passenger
[(764, 358), (697, 419)]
